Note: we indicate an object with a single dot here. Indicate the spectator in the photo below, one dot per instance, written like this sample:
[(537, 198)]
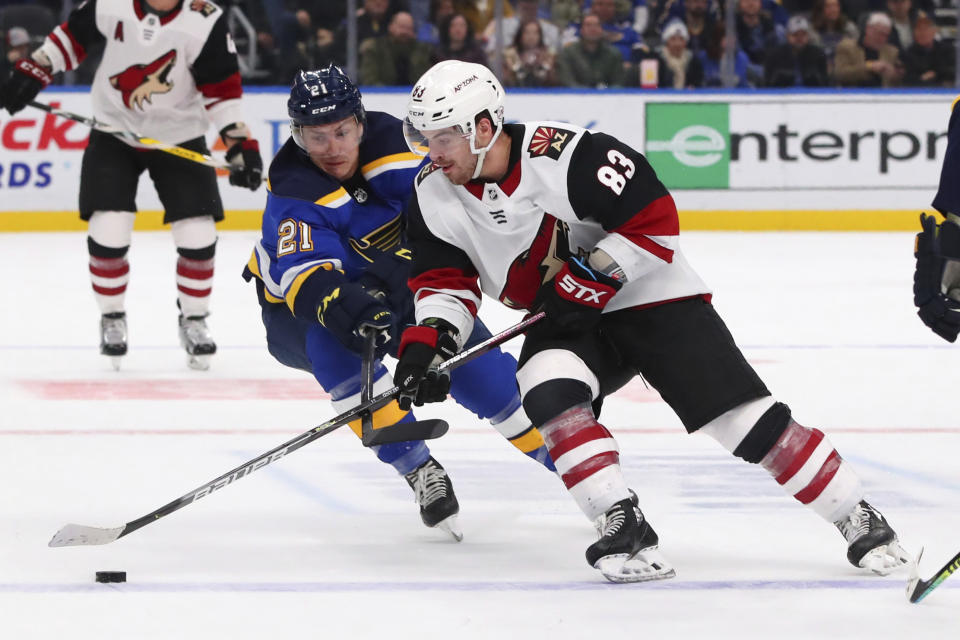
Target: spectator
[(756, 32), (457, 42), (797, 62), (697, 16), (902, 16), (633, 12), (590, 61), (429, 31), (398, 58), (18, 44), (871, 61), (830, 26), (619, 34), (479, 15), (712, 53), (928, 62), (526, 12), (677, 66), (529, 62), (563, 13), (372, 21)]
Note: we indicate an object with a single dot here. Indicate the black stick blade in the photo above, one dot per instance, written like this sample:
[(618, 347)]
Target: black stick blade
[(406, 431)]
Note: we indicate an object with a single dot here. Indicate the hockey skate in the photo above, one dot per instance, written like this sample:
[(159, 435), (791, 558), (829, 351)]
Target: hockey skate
[(627, 549), (434, 493), (195, 339), (113, 337), (872, 543)]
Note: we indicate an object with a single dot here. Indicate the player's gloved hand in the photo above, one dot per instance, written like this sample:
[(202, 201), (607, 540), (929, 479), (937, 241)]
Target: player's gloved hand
[(575, 298), (246, 165), (936, 280), (348, 311), (26, 80), (422, 349), (388, 274)]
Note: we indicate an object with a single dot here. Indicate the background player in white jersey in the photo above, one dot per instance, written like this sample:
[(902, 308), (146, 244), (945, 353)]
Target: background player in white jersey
[(332, 262), (545, 215), (169, 68)]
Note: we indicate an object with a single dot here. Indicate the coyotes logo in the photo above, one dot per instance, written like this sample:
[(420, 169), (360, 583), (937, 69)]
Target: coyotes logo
[(138, 82), (549, 141), (538, 264)]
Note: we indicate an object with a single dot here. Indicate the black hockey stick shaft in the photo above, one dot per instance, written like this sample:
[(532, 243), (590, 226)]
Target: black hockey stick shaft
[(93, 123), (922, 588), (366, 381), (71, 535)]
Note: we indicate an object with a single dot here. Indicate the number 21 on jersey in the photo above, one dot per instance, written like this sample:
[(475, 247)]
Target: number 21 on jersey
[(287, 237)]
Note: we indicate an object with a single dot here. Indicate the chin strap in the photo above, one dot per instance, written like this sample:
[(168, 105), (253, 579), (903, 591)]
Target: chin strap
[(482, 153)]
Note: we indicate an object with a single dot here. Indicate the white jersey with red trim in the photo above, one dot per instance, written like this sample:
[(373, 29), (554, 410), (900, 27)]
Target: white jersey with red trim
[(567, 191), (164, 77)]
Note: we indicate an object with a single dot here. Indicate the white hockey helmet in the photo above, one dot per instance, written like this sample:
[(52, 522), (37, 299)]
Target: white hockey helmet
[(452, 94)]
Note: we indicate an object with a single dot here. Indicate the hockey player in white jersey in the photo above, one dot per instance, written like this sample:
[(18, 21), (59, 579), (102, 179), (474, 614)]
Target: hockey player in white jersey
[(169, 68), (547, 215)]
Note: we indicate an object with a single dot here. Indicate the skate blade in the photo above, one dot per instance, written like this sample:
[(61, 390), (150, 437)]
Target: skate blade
[(646, 565), (115, 362), (886, 558), (198, 363), (451, 526)]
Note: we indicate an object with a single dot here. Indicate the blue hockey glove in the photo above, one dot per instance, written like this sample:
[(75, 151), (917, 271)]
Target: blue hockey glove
[(575, 298), (388, 274), (422, 349), (246, 166), (936, 280), (347, 311)]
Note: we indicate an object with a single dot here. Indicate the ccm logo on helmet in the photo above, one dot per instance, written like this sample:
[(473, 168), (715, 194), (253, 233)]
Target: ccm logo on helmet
[(324, 109), (579, 291)]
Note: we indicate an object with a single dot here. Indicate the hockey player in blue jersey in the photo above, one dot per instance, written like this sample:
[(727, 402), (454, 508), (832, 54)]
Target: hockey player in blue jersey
[(331, 264), (936, 280)]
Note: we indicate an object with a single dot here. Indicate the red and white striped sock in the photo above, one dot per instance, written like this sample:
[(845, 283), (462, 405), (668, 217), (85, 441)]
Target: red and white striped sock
[(587, 458), (194, 284), (109, 277), (805, 463)]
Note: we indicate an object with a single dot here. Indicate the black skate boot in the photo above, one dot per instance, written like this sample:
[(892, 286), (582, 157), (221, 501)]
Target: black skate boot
[(627, 549), (113, 336), (196, 341), (872, 543), (434, 493)]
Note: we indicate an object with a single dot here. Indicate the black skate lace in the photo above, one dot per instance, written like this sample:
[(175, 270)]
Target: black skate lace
[(857, 524), (429, 484)]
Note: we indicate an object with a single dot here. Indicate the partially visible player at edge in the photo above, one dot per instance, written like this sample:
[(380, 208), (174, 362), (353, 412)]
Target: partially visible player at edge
[(546, 215), (332, 263), (169, 68), (936, 279)]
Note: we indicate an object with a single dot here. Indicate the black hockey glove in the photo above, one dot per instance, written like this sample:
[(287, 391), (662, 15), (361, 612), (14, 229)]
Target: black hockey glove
[(575, 298), (936, 280), (347, 310), (422, 349), (26, 79), (388, 274), (246, 166)]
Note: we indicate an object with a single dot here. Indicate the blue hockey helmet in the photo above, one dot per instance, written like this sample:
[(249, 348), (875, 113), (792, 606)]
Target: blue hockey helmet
[(321, 97)]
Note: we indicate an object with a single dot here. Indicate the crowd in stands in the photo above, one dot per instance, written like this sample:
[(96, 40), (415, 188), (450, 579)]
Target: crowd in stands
[(606, 43)]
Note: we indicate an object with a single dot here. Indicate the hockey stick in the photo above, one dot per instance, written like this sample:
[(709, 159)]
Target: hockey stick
[(402, 432), (77, 535), (130, 136), (918, 589)]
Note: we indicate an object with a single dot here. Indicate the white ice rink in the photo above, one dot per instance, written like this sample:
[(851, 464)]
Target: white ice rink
[(328, 543)]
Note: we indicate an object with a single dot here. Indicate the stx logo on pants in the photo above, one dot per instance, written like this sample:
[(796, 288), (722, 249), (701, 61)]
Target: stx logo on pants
[(580, 291)]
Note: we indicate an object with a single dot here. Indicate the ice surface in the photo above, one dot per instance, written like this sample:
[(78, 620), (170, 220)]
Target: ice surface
[(328, 542)]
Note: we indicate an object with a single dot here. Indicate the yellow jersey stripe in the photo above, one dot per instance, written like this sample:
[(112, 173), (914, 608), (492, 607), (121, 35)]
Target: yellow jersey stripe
[(294, 289), (391, 159), (334, 199)]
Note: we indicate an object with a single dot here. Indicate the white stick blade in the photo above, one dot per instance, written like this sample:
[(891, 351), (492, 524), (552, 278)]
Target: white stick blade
[(72, 535)]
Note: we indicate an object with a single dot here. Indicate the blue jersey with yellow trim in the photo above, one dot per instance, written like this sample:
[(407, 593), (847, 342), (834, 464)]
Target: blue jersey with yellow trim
[(317, 231)]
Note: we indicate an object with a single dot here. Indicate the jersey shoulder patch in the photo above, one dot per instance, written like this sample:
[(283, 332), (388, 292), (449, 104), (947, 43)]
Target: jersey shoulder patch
[(203, 7), (549, 141), (426, 171)]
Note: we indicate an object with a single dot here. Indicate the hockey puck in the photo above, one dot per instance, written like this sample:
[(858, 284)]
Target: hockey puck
[(111, 576)]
